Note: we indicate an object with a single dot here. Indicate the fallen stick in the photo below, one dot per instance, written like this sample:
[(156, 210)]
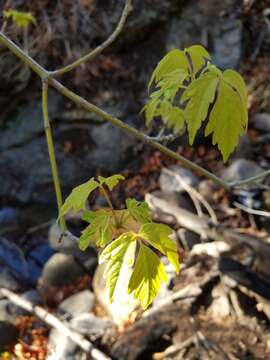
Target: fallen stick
[(54, 322), (203, 225)]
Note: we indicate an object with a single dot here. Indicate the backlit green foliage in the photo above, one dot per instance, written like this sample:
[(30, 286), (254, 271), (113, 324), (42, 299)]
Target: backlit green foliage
[(189, 89), (125, 237), (20, 18)]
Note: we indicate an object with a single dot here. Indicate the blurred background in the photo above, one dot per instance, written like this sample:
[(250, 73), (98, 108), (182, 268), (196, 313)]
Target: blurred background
[(223, 321)]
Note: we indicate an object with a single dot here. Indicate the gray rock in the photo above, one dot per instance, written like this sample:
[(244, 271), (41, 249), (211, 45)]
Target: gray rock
[(91, 326), (241, 169), (82, 302), (27, 123), (61, 269), (207, 188), (9, 335), (87, 324), (9, 311), (202, 23), (262, 122), (7, 280), (69, 245), (169, 182)]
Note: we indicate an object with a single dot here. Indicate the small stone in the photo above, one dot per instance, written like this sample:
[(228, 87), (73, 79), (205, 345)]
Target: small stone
[(82, 302), (262, 122), (241, 169), (61, 269), (69, 245), (123, 305), (171, 180), (8, 335), (91, 325), (207, 188)]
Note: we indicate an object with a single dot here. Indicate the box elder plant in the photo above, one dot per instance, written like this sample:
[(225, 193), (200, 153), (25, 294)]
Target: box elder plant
[(185, 90)]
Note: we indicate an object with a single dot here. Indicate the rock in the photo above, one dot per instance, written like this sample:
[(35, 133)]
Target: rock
[(7, 280), (9, 335), (214, 249), (61, 269), (244, 148), (123, 305), (96, 145), (68, 245), (241, 169), (169, 181), (36, 259), (87, 324), (82, 302), (91, 325), (7, 215), (207, 188), (27, 123), (60, 347), (202, 23), (261, 122), (188, 238)]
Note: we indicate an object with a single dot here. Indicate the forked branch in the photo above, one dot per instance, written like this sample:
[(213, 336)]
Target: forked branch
[(94, 53)]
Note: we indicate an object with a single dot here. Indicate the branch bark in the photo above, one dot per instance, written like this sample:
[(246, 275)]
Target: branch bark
[(54, 322), (51, 151), (47, 76)]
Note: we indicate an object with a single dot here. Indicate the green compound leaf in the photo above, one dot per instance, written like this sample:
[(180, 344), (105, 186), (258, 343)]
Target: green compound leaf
[(20, 18), (76, 201), (228, 119), (198, 56), (237, 82), (120, 256), (111, 181), (147, 276), (158, 235), (99, 231), (139, 210), (175, 119), (200, 93), (174, 60), (150, 110)]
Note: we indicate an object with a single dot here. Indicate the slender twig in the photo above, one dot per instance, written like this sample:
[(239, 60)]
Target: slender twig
[(251, 211), (46, 75), (94, 53), (54, 322), (250, 180), (51, 151), (164, 138)]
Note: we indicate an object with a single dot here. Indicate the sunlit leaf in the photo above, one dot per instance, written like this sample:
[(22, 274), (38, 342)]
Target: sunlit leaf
[(111, 181), (20, 18), (198, 55), (99, 231), (228, 119), (175, 119), (158, 235), (174, 60), (200, 94), (139, 210), (76, 201), (120, 256), (147, 276)]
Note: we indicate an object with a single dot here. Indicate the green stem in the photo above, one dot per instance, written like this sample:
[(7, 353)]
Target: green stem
[(105, 194), (46, 75), (54, 168)]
